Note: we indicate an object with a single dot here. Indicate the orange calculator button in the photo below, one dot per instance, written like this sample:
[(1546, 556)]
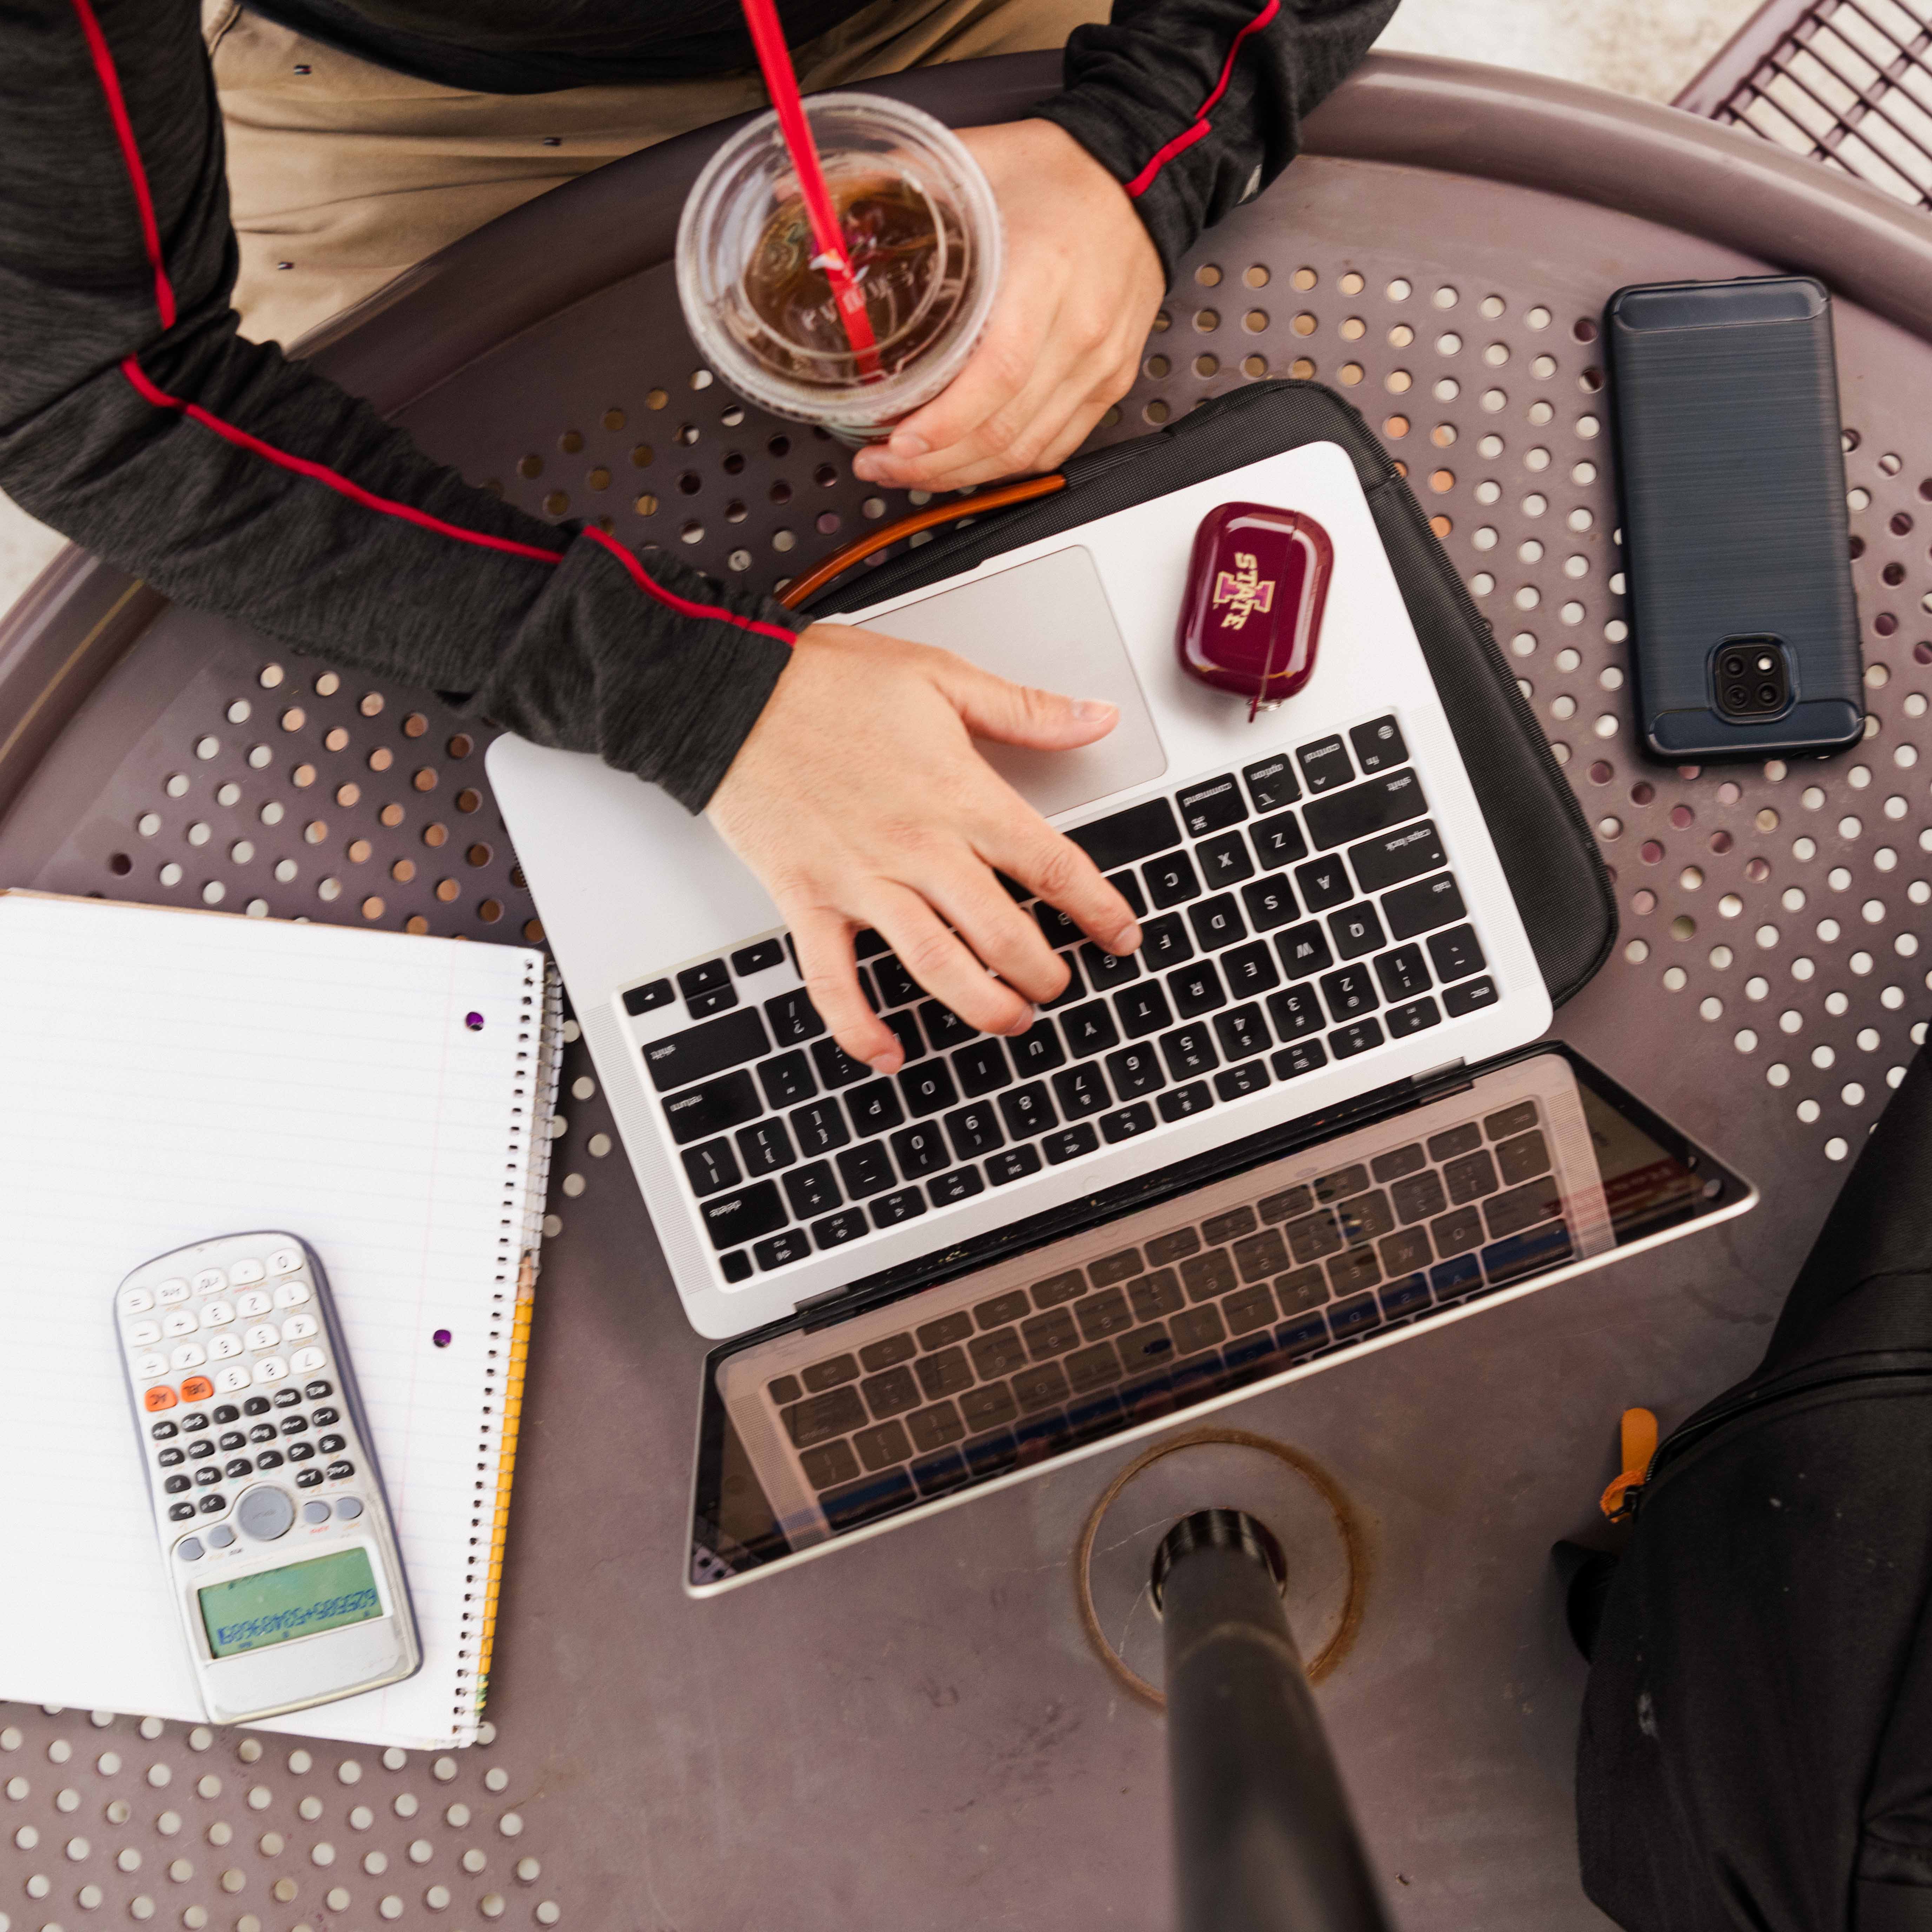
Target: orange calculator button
[(197, 1388), (163, 1397)]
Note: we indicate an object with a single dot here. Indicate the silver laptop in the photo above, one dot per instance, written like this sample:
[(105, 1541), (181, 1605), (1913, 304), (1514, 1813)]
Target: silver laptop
[(1328, 932)]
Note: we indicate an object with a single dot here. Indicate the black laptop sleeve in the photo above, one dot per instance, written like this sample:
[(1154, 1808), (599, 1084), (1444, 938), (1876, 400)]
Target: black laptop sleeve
[(1552, 864)]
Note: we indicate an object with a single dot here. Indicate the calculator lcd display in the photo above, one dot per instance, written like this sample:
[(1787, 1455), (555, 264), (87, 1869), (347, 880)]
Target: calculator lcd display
[(303, 1599)]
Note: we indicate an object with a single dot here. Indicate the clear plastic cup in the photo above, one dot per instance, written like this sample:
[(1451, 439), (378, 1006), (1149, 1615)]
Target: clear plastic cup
[(923, 231)]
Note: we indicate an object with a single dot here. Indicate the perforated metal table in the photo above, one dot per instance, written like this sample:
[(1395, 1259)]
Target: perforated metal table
[(913, 1734)]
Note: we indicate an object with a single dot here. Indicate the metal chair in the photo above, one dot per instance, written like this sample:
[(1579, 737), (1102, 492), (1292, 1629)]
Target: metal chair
[(1848, 82)]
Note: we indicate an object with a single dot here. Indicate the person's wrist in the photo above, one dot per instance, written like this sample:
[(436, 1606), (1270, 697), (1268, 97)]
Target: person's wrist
[(1060, 158), (1071, 154), (1118, 150)]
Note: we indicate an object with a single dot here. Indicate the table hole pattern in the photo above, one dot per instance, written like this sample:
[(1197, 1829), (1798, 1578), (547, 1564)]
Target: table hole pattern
[(222, 824), (1737, 1001), (240, 1832), (1511, 380), (1702, 863)]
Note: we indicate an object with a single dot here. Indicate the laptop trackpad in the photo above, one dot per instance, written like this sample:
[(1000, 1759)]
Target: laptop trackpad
[(1048, 623)]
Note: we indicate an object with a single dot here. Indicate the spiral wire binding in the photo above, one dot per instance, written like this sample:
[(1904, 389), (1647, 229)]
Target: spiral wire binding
[(540, 1057)]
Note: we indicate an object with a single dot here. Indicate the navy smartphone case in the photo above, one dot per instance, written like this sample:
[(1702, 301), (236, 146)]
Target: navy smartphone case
[(1725, 397)]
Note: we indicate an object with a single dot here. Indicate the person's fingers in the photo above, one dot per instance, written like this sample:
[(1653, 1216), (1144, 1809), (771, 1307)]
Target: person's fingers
[(1050, 865), (1020, 442), (991, 706), (1004, 939), (1059, 443), (939, 960), (996, 467), (825, 963), (1033, 428), (1007, 441), (995, 416), (1003, 364), (1058, 428)]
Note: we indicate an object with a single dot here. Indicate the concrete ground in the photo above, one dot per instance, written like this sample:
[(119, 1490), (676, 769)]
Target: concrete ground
[(1649, 47)]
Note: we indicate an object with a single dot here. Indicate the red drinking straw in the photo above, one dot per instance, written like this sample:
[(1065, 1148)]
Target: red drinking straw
[(768, 36)]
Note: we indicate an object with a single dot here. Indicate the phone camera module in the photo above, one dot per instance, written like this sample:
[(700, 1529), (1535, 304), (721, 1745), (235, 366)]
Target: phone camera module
[(1753, 678)]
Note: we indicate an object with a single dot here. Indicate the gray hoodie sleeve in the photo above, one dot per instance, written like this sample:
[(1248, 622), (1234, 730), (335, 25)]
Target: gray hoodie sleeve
[(1196, 105), (136, 421)]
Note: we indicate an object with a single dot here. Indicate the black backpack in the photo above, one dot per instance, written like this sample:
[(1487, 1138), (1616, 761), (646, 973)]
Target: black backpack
[(1756, 1743)]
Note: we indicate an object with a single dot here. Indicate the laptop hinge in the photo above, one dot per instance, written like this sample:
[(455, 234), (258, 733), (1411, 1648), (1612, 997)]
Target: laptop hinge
[(812, 1302), (818, 1311), (1379, 1103), (1438, 1083)]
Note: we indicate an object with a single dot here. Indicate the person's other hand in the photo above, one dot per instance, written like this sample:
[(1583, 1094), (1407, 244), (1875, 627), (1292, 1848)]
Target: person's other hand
[(859, 800), (1081, 285)]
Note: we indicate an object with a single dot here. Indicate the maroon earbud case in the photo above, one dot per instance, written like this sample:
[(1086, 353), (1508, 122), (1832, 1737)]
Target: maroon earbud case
[(1251, 617)]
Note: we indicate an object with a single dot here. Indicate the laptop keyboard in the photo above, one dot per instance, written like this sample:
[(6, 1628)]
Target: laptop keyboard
[(908, 1403), (1298, 913)]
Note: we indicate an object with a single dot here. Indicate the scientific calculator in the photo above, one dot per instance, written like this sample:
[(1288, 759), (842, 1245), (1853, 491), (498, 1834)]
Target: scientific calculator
[(281, 1553)]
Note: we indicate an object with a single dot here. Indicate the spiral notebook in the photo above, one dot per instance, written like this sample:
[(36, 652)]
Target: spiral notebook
[(174, 1075)]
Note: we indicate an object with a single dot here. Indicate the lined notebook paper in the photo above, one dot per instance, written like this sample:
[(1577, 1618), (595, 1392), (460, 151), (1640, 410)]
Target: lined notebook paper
[(172, 1076)]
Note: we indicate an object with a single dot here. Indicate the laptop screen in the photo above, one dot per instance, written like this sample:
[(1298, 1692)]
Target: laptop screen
[(1286, 1253)]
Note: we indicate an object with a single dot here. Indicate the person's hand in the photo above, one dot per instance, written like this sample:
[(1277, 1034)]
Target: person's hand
[(1081, 285), (859, 800)]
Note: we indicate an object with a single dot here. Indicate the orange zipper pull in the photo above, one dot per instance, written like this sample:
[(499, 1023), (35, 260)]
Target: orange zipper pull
[(1639, 1446)]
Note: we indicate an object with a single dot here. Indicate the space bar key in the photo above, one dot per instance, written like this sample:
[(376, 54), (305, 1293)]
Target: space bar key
[(1342, 816), (1137, 832)]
